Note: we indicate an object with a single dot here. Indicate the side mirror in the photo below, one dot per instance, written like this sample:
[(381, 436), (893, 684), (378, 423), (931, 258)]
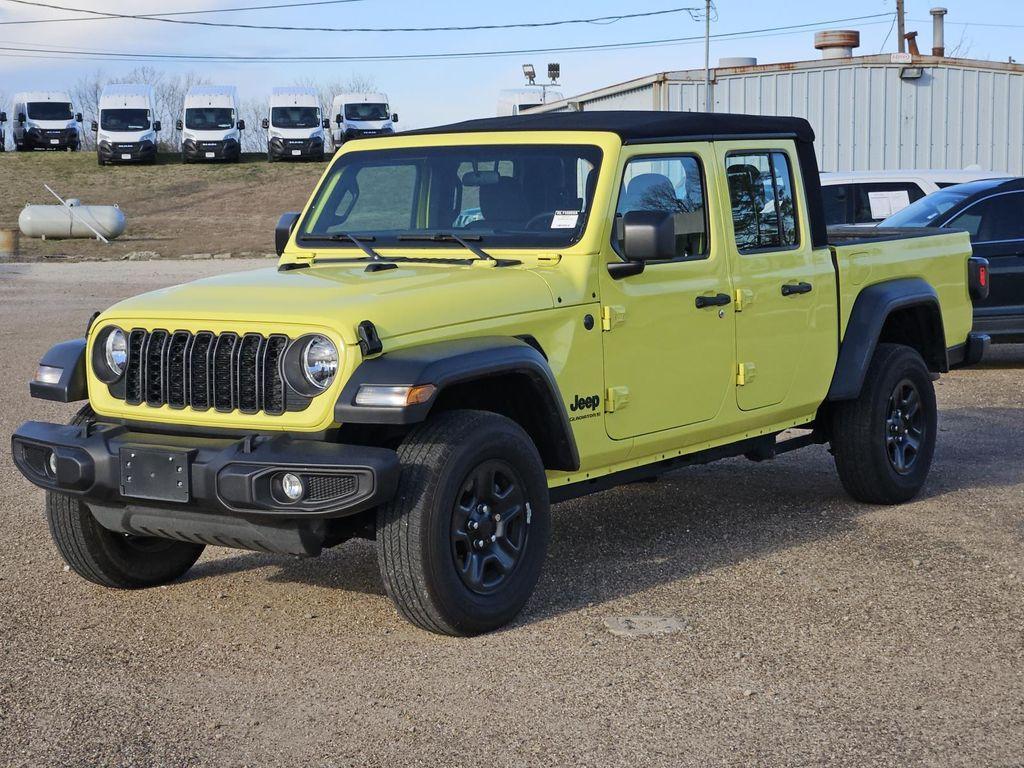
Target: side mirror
[(326, 124), (78, 117), (648, 235), (178, 125), (21, 118), (95, 126), (156, 125), (3, 117), (241, 125), (338, 120), (394, 118), (266, 124), (283, 232)]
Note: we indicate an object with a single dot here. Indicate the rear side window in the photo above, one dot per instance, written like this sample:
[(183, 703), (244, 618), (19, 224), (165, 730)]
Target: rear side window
[(668, 183), (764, 213), (880, 200), (994, 219)]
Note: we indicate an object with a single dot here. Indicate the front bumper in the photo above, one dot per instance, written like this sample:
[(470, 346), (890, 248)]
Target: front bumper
[(126, 152), (228, 149), (225, 476), (51, 139), (295, 149)]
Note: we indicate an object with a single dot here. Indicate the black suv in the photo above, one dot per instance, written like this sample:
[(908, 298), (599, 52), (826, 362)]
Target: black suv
[(992, 211)]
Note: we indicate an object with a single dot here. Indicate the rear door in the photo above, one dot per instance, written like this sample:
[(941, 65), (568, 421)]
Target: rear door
[(785, 326), (996, 226)]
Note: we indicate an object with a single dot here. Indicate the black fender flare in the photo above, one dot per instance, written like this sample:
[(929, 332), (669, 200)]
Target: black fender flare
[(458, 361), (69, 356), (871, 309)]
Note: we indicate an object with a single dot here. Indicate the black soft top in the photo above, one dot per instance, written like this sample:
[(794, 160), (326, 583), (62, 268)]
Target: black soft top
[(637, 126)]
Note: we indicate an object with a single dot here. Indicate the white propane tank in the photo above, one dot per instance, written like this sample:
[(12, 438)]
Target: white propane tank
[(71, 220)]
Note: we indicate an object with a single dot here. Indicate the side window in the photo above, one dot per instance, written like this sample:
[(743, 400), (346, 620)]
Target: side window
[(371, 197), (835, 197), (880, 200), (763, 205), (669, 183), (994, 219)]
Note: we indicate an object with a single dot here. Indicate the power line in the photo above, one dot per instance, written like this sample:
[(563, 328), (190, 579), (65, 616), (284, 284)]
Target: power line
[(284, 28), (15, 50), (183, 13)]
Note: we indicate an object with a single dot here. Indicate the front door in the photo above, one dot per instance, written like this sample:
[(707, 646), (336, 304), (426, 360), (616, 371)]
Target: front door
[(781, 283), (668, 348)]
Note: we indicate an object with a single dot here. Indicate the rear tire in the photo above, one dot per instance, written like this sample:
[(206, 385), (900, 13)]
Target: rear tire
[(884, 441), (461, 545), (108, 558)]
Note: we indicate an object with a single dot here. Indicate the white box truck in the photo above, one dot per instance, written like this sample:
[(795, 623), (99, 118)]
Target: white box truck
[(209, 124), (296, 128), (45, 120), (360, 114), (127, 128)]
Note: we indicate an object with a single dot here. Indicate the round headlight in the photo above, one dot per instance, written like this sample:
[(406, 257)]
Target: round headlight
[(115, 351), (320, 362)]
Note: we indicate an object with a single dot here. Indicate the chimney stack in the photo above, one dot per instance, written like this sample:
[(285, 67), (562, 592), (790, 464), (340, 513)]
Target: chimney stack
[(938, 32), (837, 43)]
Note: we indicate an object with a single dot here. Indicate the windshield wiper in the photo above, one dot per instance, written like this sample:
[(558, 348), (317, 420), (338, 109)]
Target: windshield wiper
[(451, 237), (336, 237)]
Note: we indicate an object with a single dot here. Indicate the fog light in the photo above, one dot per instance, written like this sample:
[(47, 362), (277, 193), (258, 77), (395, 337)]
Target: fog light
[(292, 486), (53, 463)]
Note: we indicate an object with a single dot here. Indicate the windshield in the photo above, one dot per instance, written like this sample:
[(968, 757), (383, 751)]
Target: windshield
[(928, 209), (124, 119), (366, 112), (49, 110), (209, 118), (502, 195), (295, 117)]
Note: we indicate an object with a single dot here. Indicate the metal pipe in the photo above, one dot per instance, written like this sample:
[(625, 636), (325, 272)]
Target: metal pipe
[(938, 31)]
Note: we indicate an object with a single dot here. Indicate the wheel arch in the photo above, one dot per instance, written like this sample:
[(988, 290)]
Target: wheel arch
[(904, 311), (505, 375)]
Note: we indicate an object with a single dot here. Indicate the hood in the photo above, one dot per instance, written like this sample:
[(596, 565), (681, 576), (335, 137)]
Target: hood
[(219, 134), (51, 125), (295, 133), (412, 297), (127, 136)]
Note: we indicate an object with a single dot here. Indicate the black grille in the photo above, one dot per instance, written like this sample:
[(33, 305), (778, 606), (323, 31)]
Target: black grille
[(329, 487), (226, 372)]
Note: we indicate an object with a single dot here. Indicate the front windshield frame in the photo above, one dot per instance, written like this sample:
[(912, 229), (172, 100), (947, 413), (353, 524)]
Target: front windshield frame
[(277, 114), (308, 238), (381, 112), (225, 118), (125, 115), (931, 210), (32, 107)]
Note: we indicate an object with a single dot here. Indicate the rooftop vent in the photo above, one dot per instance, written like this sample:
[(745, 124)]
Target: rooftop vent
[(837, 43)]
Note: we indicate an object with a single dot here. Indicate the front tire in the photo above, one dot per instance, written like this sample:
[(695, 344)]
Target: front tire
[(884, 441), (108, 558), (461, 545)]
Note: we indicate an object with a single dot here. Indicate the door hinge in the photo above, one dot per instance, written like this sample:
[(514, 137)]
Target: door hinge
[(745, 374), (616, 399), (612, 316), (743, 298)]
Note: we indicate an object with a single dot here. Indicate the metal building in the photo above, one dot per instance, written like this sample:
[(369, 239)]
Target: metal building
[(868, 112)]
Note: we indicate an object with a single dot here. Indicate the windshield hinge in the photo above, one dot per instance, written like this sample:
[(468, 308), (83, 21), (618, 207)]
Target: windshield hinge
[(612, 316)]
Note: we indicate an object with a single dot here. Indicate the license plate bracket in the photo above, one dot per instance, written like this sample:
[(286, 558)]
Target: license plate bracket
[(157, 474)]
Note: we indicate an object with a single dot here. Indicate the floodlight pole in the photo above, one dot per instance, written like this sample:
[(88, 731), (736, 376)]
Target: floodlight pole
[(707, 55), (901, 27)]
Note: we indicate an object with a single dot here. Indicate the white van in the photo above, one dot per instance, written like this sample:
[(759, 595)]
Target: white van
[(209, 124), (45, 120), (864, 198), (513, 101), (360, 114), (127, 128), (296, 128)]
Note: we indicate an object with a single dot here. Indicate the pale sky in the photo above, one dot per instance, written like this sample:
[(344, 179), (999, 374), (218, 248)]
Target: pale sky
[(431, 92)]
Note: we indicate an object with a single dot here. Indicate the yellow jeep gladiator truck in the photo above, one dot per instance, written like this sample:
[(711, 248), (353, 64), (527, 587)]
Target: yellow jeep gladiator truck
[(472, 322)]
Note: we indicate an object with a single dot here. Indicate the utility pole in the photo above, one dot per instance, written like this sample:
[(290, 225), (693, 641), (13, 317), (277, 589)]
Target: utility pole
[(901, 27), (707, 55)]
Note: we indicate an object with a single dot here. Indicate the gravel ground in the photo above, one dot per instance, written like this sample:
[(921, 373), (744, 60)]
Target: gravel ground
[(804, 628)]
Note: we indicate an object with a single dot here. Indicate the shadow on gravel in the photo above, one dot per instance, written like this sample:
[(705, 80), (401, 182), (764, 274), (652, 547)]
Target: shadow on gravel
[(691, 522)]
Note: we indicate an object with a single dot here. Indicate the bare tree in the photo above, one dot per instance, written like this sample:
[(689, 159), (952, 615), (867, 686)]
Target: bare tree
[(254, 137), (86, 96), (326, 90)]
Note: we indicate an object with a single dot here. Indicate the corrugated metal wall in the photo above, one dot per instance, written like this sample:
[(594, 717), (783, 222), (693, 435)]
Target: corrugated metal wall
[(865, 117)]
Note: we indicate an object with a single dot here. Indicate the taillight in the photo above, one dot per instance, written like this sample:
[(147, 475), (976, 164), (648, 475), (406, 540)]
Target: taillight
[(977, 278)]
